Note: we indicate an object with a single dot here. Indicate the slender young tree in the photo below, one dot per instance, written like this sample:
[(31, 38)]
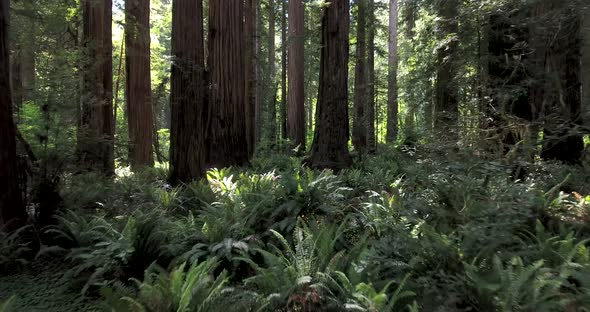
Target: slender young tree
[(370, 106), (12, 209), (227, 141), (330, 144), (392, 92), (138, 82), (447, 101), (188, 100), (296, 105), (359, 128), (96, 137)]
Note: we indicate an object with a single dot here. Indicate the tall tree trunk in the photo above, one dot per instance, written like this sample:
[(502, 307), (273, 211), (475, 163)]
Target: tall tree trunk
[(250, 69), (12, 209), (296, 105), (283, 69), (96, 140), (447, 101), (272, 75), (16, 84), (257, 74), (359, 129), (370, 106), (392, 93), (28, 52), (330, 144), (188, 94), (138, 78), (227, 142)]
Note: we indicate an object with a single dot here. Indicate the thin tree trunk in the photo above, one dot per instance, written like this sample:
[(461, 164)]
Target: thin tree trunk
[(272, 104), (16, 84), (28, 52), (296, 105), (359, 128), (257, 73), (138, 83), (188, 98), (12, 209), (228, 146), (370, 106), (330, 144), (284, 69), (250, 69), (392, 93), (96, 142)]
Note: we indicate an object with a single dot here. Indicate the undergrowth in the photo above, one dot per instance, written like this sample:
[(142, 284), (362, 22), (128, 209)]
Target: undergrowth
[(404, 230)]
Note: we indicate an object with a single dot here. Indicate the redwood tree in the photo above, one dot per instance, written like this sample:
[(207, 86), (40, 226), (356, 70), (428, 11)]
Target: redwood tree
[(359, 131), (12, 210), (227, 141), (96, 137), (272, 97), (370, 104), (296, 106), (188, 101), (251, 96), (138, 83), (330, 143)]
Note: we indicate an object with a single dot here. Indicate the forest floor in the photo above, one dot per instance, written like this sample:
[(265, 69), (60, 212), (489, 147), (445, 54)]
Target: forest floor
[(410, 229)]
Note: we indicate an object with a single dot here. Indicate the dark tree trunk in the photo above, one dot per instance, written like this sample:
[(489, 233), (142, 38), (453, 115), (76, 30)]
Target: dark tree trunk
[(12, 209), (359, 128), (227, 141), (370, 106), (296, 105), (96, 140), (447, 101), (330, 144), (188, 100), (16, 84), (138, 78), (392, 92)]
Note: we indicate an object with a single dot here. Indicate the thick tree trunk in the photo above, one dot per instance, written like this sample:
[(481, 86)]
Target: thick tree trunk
[(359, 128), (370, 104), (227, 142), (12, 209), (283, 69), (447, 101), (296, 105), (188, 98), (392, 92), (138, 78), (272, 75), (96, 140), (330, 144)]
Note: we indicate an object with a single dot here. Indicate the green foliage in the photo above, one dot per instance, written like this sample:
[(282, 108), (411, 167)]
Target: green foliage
[(13, 249), (183, 290), (5, 305)]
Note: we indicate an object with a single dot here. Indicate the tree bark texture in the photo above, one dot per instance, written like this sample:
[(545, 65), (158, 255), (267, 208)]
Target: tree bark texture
[(447, 101), (12, 209), (370, 104), (359, 127), (96, 140), (392, 92), (227, 141), (296, 94), (138, 82), (330, 144), (188, 95)]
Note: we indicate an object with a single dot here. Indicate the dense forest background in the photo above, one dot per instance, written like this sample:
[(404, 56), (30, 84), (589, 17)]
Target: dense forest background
[(291, 155)]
